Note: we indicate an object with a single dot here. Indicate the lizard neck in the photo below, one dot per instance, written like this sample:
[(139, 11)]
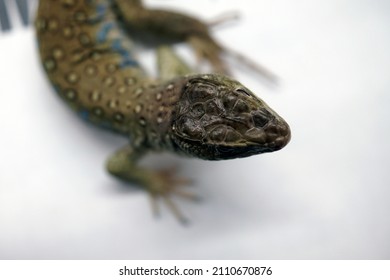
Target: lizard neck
[(155, 112)]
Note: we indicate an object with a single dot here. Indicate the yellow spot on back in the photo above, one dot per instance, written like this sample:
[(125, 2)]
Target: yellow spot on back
[(95, 95), (96, 56), (90, 70), (138, 91), (80, 16), (109, 81), (84, 39), (138, 108), (68, 32), (72, 78), (53, 25), (113, 103), (130, 81), (70, 94), (58, 53), (41, 24), (111, 67), (97, 111), (142, 121), (122, 89), (118, 117), (49, 64)]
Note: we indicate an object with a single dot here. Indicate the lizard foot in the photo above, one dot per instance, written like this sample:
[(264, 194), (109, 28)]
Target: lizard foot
[(160, 184), (207, 50), (163, 184), (223, 18)]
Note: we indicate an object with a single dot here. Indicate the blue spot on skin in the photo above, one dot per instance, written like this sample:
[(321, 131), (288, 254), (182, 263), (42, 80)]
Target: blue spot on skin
[(117, 46), (84, 114), (101, 11), (106, 125), (103, 32), (128, 63), (127, 59), (57, 88)]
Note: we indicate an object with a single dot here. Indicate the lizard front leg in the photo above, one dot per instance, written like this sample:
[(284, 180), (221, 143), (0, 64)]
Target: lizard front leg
[(170, 65), (175, 26), (123, 164)]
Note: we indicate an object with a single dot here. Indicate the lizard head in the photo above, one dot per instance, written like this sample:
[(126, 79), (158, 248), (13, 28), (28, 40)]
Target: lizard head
[(218, 118)]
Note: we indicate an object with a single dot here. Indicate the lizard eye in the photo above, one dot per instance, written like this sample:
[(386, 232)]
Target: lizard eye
[(243, 91)]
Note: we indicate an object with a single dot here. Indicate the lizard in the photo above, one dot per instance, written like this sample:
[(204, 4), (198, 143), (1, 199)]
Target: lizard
[(87, 53)]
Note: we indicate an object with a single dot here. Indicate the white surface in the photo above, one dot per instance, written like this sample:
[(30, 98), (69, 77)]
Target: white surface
[(324, 196)]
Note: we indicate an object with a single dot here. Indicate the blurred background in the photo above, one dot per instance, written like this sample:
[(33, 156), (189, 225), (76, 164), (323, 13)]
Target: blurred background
[(325, 196)]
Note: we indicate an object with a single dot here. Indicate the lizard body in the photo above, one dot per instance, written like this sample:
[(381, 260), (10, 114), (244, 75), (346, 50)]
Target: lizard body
[(88, 57)]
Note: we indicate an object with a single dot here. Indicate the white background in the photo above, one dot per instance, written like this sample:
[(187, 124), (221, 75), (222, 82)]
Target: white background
[(325, 196)]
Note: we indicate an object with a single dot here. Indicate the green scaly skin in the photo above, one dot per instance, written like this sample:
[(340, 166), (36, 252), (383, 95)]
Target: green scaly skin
[(89, 59)]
